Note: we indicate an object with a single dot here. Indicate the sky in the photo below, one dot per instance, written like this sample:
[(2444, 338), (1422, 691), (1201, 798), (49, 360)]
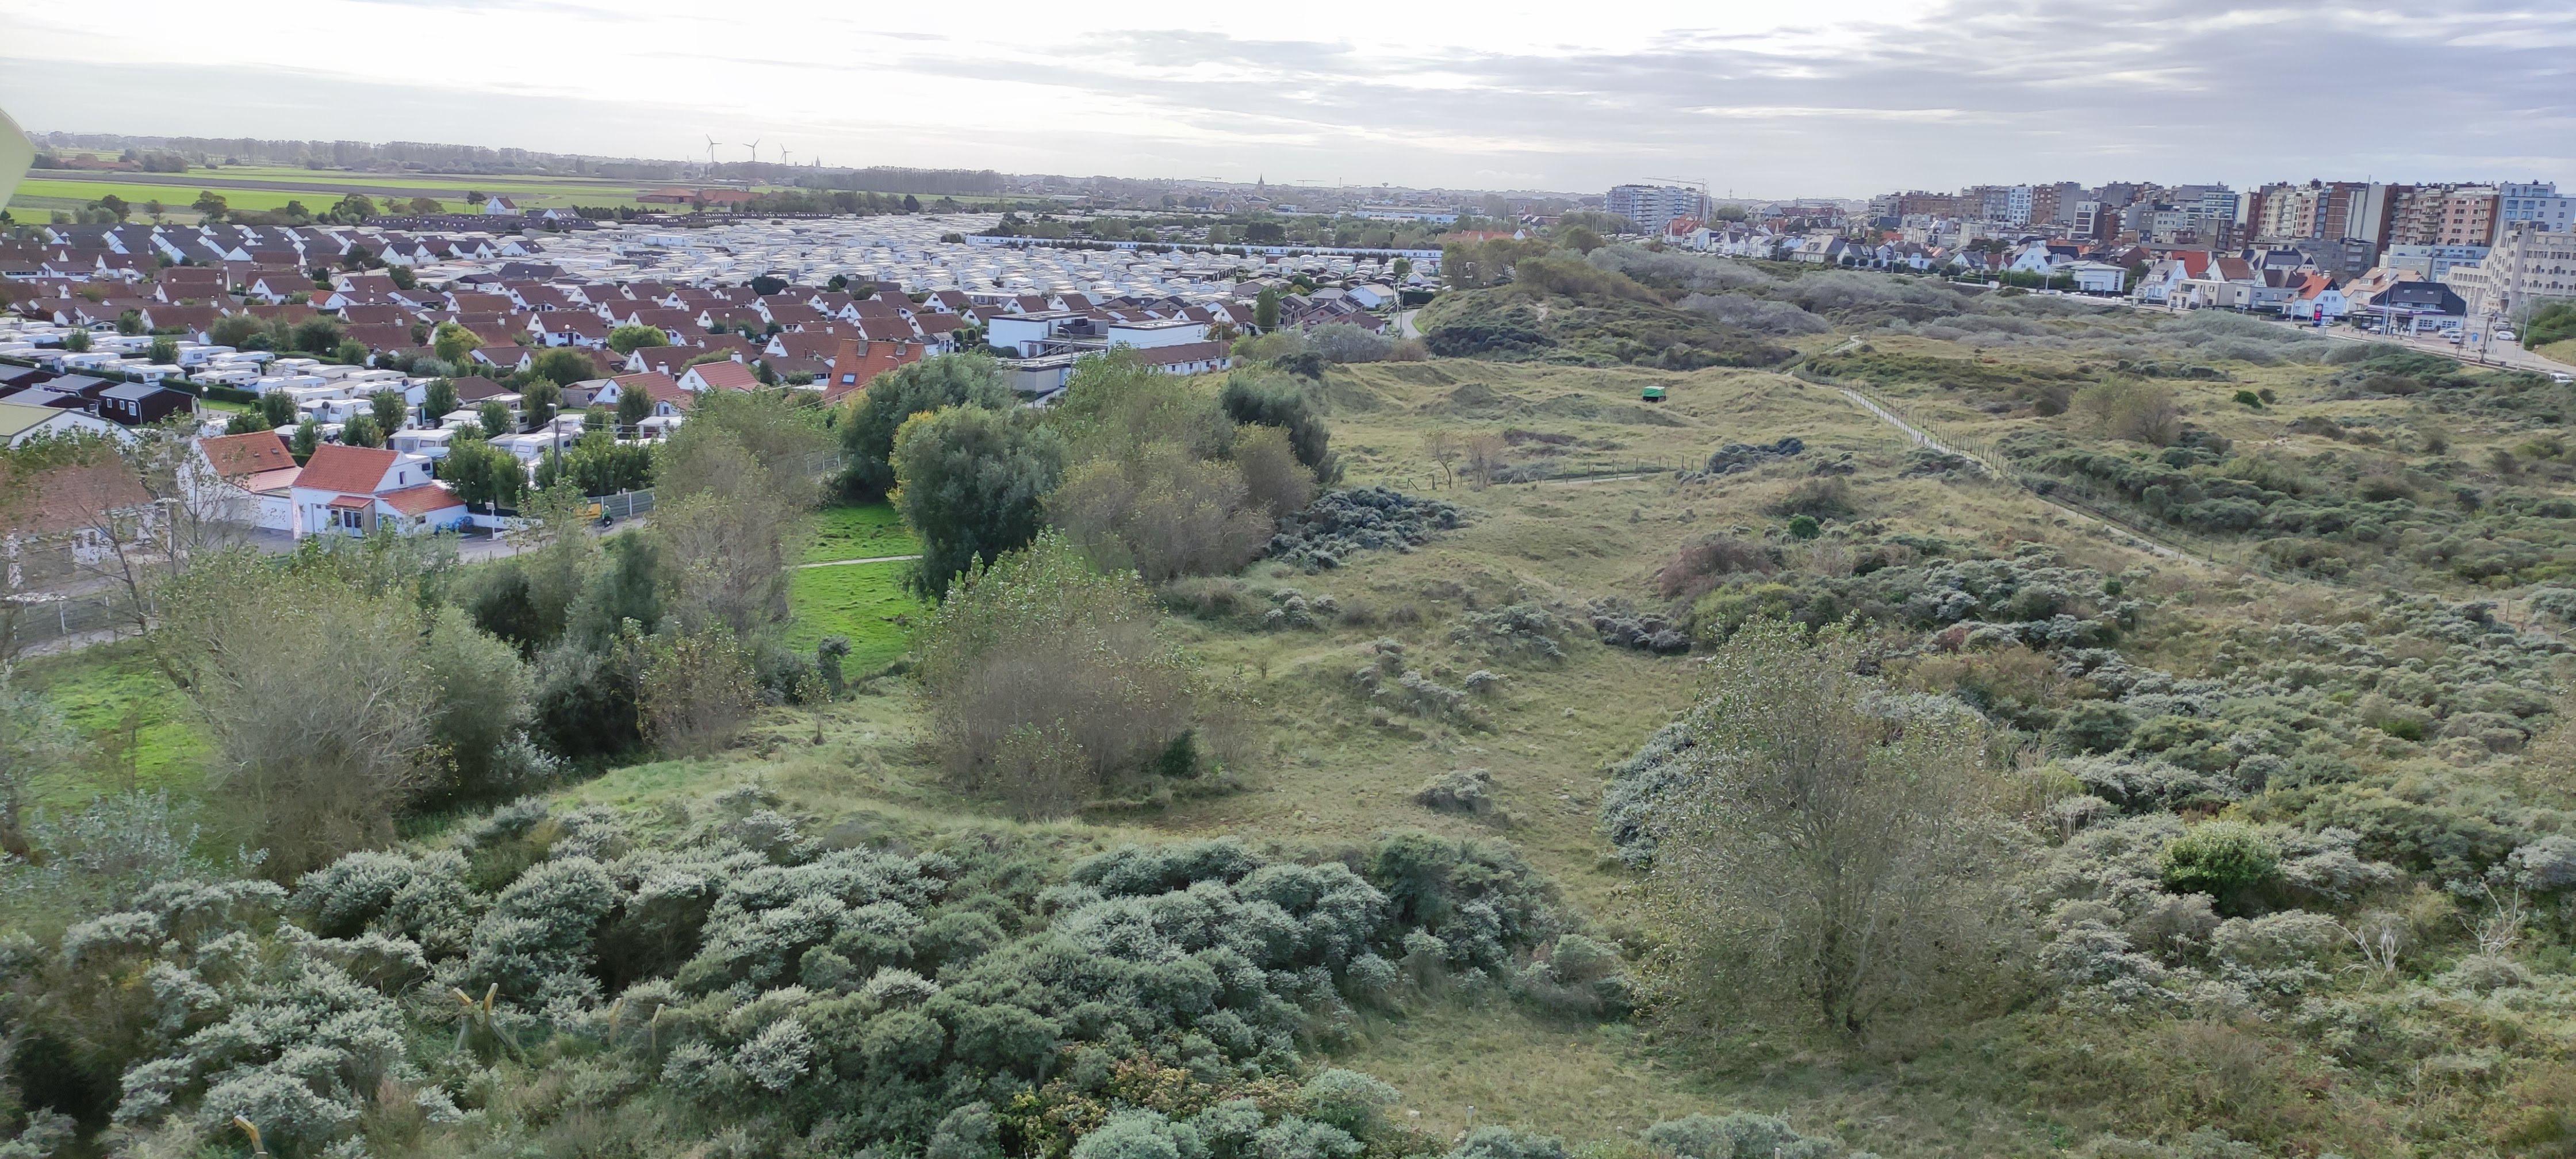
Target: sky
[(1816, 98)]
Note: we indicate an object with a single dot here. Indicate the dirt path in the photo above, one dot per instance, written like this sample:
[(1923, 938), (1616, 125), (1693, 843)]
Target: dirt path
[(1924, 438)]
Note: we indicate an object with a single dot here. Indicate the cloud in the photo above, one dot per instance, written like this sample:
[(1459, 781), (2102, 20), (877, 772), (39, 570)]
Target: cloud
[(1860, 96)]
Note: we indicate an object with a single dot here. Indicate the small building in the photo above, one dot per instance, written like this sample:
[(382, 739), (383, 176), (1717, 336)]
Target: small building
[(138, 404), (346, 490)]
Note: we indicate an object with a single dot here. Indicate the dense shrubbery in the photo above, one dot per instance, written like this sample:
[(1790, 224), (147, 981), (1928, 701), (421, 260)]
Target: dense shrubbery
[(741, 976), (1343, 523), (1587, 325)]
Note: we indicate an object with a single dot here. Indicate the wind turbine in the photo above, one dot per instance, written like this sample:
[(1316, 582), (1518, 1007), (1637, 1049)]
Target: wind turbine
[(783, 153), (752, 150), (711, 155)]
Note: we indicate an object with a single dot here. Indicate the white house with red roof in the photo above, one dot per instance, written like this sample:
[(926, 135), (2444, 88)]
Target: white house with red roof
[(247, 479), (723, 374), (345, 490)]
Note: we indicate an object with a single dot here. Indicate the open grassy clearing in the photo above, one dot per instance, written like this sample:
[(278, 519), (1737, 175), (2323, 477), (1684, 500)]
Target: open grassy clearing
[(143, 733), (866, 603), (858, 531)]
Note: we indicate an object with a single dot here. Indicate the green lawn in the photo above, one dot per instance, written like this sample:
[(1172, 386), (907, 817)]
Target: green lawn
[(859, 531), (867, 603), (137, 730)]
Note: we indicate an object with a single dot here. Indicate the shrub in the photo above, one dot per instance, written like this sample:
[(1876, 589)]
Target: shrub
[(2141, 412), (1049, 678), (2223, 859)]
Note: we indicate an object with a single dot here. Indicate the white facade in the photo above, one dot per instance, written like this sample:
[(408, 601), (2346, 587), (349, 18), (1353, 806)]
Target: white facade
[(1649, 207)]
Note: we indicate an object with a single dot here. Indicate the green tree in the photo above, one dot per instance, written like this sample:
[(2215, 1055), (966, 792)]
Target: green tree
[(633, 407), (130, 323), (483, 473), (1256, 399), (354, 208), (867, 427), (308, 438), (212, 204), (76, 341), (437, 401), (349, 352), (423, 206), (164, 351), (494, 416), (361, 431), (391, 410), (1400, 269), (1831, 862), (563, 366), (277, 407), (318, 336), (401, 276), (238, 331), (114, 205), (538, 402), (1265, 308), (629, 339), (971, 483), (453, 342)]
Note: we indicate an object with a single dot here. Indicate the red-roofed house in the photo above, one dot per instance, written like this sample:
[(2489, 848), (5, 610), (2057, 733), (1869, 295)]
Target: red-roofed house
[(354, 490), (723, 374), (246, 479), (858, 362)]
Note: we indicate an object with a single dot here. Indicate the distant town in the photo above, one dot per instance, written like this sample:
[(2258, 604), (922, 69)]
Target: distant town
[(377, 334)]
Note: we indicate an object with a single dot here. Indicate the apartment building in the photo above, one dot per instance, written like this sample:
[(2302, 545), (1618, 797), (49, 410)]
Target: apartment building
[(2537, 202), (1650, 207), (2468, 216), (2527, 266)]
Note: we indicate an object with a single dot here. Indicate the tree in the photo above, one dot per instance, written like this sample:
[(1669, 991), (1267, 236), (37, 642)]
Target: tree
[(76, 341), (453, 342), (537, 403), (349, 352), (164, 351), (563, 366), (319, 336), (238, 331), (1400, 269), (1265, 308), (211, 204), (494, 416), (423, 206), (1441, 446), (392, 411), (867, 427), (696, 692), (308, 438), (401, 276), (1273, 480), (114, 205), (278, 407), (361, 431), (911, 204), (354, 208), (1161, 511), (34, 743), (130, 323), (633, 407), (629, 339), (732, 488), (310, 681), (484, 474), (1835, 859), (971, 483), (1272, 401), (437, 401), (1046, 677)]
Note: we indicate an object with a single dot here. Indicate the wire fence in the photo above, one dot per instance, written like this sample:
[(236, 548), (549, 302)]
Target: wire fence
[(36, 621)]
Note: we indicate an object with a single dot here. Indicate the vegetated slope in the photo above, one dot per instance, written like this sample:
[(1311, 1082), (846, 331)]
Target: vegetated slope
[(1528, 323), (2221, 781)]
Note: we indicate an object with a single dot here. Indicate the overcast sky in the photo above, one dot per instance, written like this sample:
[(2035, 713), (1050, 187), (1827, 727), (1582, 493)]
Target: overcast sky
[(1818, 97)]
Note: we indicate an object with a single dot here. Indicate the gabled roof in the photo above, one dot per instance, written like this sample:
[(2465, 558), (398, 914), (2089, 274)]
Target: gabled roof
[(421, 500), (346, 469), (726, 374), (238, 456)]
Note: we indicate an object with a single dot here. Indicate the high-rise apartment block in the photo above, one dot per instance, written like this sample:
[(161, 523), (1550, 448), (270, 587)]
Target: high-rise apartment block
[(1651, 207)]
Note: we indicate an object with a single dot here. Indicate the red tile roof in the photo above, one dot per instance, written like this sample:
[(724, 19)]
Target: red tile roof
[(726, 374), (421, 500), (238, 456), (337, 467)]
